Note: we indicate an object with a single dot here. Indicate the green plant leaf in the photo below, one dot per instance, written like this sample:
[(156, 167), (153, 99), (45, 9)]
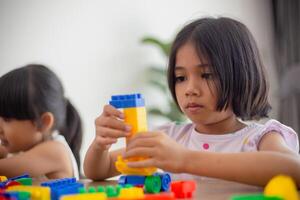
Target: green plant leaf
[(163, 46)]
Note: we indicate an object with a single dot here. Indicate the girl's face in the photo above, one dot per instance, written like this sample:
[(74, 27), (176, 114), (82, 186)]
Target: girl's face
[(18, 135), (195, 90)]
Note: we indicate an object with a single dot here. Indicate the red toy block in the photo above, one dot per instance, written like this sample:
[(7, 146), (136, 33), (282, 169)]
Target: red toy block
[(183, 189), (11, 183), (160, 196)]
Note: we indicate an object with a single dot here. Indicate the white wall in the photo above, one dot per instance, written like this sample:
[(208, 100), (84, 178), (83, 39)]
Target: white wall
[(94, 46)]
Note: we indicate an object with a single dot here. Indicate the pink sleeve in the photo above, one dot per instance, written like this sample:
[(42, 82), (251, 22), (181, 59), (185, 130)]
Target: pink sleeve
[(288, 134)]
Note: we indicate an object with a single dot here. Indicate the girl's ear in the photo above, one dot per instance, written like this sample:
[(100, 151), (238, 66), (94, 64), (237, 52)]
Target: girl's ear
[(47, 120)]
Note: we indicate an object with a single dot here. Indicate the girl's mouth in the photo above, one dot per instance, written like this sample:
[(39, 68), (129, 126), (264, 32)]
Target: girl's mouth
[(194, 108)]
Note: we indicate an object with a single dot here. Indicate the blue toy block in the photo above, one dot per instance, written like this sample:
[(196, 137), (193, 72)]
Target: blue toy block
[(122, 181), (165, 181), (63, 186), (18, 177), (132, 180), (127, 101)]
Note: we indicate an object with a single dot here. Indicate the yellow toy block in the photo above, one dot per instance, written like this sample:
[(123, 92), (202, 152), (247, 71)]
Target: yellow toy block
[(3, 178), (136, 118), (85, 196), (282, 186), (121, 166), (36, 192), (131, 193)]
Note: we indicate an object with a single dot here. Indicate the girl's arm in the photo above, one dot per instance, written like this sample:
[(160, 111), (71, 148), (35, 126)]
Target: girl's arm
[(48, 158), (99, 163), (3, 152), (255, 168)]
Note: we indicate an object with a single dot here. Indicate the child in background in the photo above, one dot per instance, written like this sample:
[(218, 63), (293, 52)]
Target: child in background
[(217, 79), (33, 114)]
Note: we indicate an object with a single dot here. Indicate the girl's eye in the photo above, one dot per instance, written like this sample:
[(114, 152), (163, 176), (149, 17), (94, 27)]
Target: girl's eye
[(207, 75), (179, 79)]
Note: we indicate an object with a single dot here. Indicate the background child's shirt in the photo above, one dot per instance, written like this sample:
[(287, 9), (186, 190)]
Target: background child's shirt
[(244, 140)]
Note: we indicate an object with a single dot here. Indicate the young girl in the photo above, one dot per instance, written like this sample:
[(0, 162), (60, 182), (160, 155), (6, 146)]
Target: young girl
[(33, 115), (216, 78)]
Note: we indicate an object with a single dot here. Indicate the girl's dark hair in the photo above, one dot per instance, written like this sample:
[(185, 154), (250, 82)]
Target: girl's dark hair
[(28, 92), (231, 51)]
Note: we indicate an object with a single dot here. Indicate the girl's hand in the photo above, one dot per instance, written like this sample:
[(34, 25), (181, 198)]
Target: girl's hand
[(3, 152), (163, 152), (110, 127)]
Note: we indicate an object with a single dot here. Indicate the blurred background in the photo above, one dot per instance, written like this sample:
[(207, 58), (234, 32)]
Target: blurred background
[(103, 48)]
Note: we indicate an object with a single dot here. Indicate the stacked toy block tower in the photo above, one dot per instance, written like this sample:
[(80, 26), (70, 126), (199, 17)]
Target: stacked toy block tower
[(133, 106)]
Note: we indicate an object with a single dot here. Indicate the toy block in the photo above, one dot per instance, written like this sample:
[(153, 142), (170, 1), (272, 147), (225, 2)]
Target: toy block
[(85, 196), (131, 193), (16, 195), (25, 181), (160, 196), (153, 184), (183, 189), (135, 115), (254, 197), (165, 181), (11, 183), (282, 186), (36, 192), (134, 180), (19, 177), (3, 178), (63, 186), (121, 166), (127, 101)]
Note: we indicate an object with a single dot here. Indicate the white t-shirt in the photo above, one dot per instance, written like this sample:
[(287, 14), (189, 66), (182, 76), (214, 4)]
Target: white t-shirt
[(244, 140)]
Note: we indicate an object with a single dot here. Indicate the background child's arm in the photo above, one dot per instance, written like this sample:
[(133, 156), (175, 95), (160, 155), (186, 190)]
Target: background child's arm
[(48, 157), (255, 168), (99, 164)]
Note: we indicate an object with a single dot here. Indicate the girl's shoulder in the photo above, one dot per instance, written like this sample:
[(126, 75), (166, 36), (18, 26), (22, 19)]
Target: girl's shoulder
[(260, 129)]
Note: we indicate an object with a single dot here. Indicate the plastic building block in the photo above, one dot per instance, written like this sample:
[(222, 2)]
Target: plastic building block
[(127, 101), (132, 179), (15, 195), (153, 184), (160, 196), (11, 183), (131, 193), (3, 183), (111, 191), (25, 181), (85, 196), (282, 186), (254, 197), (3, 178), (183, 189), (165, 181), (63, 186), (36, 192), (135, 115)]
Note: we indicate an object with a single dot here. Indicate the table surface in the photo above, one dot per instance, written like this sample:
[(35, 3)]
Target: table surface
[(206, 189)]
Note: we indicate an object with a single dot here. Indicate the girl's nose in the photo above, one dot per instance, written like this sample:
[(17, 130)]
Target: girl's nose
[(193, 88)]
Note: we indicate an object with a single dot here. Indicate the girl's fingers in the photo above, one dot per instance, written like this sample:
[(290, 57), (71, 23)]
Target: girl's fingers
[(105, 140), (143, 163), (109, 110), (110, 122), (139, 151), (109, 132), (141, 142)]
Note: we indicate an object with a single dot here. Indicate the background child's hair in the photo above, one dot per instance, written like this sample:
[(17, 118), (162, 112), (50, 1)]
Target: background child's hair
[(231, 52), (28, 92)]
